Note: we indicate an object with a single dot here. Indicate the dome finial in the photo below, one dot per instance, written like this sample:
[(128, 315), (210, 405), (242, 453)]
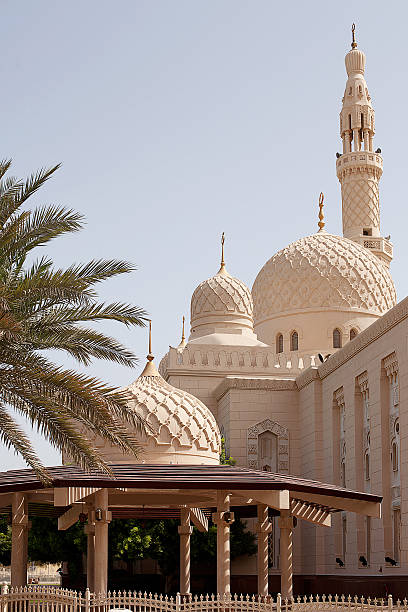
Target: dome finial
[(321, 223), (222, 269), (150, 357), (150, 368), (183, 338), (353, 36)]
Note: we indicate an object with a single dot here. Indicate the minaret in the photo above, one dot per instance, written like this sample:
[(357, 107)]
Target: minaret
[(359, 167)]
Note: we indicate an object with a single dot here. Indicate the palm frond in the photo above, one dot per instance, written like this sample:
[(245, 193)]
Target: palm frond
[(12, 436)]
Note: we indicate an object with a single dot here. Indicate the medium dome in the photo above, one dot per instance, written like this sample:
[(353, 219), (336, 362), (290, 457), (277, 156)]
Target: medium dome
[(184, 430), (322, 271)]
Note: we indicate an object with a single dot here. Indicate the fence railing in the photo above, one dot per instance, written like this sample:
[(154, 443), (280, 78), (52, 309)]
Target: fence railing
[(36, 598)]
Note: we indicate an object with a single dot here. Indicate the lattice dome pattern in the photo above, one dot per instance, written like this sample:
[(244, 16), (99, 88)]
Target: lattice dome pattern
[(222, 294), (322, 271), (180, 422)]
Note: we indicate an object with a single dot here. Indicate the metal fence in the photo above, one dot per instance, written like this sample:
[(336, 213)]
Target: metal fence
[(36, 598)]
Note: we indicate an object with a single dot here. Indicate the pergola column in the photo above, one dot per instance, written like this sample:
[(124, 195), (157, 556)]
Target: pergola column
[(223, 541), (185, 530), (89, 529), (263, 529), (19, 540), (102, 517), (286, 553)]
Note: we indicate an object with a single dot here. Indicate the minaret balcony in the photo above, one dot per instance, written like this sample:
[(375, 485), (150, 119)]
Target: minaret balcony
[(379, 246), (358, 161)]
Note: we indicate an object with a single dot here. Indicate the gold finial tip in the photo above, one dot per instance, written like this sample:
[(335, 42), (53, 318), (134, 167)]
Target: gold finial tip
[(321, 223), (353, 36), (222, 269)]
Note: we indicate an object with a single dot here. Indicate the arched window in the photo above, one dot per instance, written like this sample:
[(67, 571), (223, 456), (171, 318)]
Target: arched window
[(336, 338), (279, 343), (294, 341), (353, 333)]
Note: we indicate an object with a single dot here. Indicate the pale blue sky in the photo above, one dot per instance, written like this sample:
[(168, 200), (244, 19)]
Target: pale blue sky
[(177, 120)]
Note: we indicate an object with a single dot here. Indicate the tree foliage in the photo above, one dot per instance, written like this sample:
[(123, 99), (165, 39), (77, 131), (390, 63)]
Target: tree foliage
[(44, 307)]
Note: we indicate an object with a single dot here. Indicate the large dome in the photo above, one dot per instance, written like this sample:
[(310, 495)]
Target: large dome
[(322, 271), (183, 429)]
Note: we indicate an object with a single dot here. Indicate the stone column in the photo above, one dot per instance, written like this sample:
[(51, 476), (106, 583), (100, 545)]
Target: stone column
[(19, 540), (263, 529), (286, 553), (102, 517), (185, 530), (223, 542)]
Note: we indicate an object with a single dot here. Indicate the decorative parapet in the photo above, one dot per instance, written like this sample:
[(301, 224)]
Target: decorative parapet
[(230, 360)]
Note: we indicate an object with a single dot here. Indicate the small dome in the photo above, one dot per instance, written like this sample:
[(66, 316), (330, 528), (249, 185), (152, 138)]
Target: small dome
[(355, 62), (184, 430), (221, 294), (322, 271)]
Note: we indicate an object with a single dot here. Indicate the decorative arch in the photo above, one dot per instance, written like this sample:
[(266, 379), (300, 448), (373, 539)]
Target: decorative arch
[(282, 434)]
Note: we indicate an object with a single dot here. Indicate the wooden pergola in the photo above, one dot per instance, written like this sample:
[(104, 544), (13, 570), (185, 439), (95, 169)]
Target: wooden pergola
[(189, 492)]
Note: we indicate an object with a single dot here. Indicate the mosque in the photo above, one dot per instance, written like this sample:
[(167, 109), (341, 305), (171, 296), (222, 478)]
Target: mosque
[(306, 379), (307, 373)]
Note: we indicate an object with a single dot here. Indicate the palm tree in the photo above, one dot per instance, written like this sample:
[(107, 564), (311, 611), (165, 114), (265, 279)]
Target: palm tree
[(45, 308)]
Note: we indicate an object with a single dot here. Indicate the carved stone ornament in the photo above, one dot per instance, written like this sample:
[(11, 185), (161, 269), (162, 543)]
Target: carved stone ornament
[(282, 434)]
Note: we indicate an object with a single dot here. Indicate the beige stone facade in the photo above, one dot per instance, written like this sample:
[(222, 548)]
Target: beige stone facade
[(311, 378)]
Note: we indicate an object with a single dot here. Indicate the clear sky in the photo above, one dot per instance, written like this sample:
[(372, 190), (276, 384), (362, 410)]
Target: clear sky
[(177, 120)]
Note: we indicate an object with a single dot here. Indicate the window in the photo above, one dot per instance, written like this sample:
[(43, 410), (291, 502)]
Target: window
[(336, 338), (279, 343), (394, 456), (294, 341), (367, 465), (353, 333), (367, 231)]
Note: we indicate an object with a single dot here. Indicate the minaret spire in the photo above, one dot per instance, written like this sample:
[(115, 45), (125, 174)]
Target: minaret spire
[(353, 36), (359, 167)]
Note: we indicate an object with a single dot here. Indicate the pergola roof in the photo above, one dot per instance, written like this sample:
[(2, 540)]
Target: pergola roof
[(176, 477)]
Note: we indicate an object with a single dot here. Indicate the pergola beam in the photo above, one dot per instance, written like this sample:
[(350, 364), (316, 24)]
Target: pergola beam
[(311, 512), (199, 519), (274, 499), (66, 496), (359, 506), (69, 518)]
